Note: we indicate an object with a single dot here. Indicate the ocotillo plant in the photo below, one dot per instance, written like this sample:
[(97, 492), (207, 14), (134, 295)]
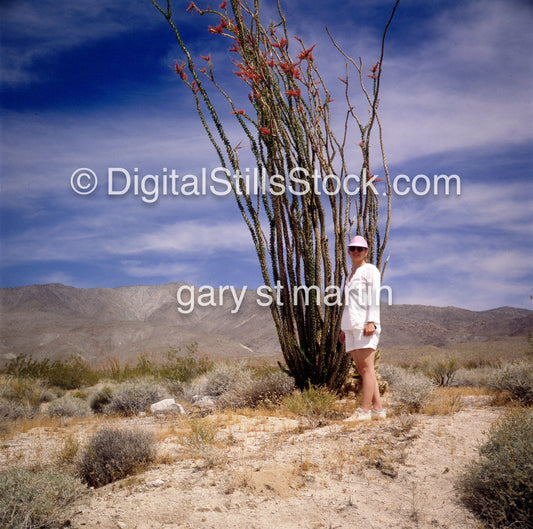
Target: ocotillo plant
[(287, 124)]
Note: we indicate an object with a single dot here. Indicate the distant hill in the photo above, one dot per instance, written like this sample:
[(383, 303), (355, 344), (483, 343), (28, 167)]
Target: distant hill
[(54, 320)]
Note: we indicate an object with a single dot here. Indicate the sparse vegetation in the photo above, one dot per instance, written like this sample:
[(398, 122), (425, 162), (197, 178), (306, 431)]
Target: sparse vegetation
[(36, 499), (499, 486), (112, 454), (201, 434), (71, 373), (175, 367)]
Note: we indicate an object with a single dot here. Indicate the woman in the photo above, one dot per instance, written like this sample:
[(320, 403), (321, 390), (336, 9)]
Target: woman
[(361, 327)]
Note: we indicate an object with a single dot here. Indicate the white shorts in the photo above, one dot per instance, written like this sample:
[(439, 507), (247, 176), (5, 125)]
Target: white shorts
[(355, 339)]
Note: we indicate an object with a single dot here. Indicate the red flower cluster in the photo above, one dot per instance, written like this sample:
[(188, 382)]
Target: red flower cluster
[(223, 5), (282, 44), (220, 28), (307, 54), (290, 69), (180, 70), (245, 72), (294, 93)]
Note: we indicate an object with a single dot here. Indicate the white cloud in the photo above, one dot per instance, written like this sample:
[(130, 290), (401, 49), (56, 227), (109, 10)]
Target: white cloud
[(202, 236)]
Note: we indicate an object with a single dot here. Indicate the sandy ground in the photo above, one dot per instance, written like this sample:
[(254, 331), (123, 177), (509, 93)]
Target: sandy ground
[(273, 472)]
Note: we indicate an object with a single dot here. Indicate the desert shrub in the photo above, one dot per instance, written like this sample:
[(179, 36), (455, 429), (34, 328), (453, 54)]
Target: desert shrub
[(411, 391), (498, 487), (516, 380), (36, 499), (441, 371), (224, 376), (100, 398), (220, 379), (133, 397), (256, 390), (313, 403), (112, 454), (473, 377), (13, 410), (391, 374), (69, 406)]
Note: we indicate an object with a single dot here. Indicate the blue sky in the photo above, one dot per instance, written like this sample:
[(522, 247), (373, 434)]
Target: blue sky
[(90, 85)]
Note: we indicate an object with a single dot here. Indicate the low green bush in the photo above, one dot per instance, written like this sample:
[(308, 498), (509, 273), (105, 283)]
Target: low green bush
[(100, 398), (441, 371), (36, 499), (498, 487), (112, 454)]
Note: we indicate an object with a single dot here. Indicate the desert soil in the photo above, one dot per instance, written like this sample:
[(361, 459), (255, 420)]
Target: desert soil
[(267, 471)]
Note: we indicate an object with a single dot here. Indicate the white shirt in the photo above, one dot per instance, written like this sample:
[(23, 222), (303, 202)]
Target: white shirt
[(362, 299)]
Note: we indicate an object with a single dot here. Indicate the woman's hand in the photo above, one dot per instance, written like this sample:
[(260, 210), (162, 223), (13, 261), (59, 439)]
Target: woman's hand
[(370, 328), (342, 337)]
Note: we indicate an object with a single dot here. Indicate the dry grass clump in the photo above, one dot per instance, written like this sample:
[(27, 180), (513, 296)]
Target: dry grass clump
[(499, 486), (515, 380), (69, 406), (314, 404), (112, 454), (35, 499), (444, 401), (131, 398), (20, 397)]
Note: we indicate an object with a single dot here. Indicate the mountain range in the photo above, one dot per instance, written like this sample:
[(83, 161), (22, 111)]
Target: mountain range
[(54, 321)]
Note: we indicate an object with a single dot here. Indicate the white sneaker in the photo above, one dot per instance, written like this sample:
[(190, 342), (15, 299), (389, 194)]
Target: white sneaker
[(359, 415), (379, 414)]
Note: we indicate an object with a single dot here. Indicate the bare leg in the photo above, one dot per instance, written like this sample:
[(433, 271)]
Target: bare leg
[(364, 362)]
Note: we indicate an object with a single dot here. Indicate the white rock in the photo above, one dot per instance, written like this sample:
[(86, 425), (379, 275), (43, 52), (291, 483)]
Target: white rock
[(204, 402), (155, 483), (167, 406)]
